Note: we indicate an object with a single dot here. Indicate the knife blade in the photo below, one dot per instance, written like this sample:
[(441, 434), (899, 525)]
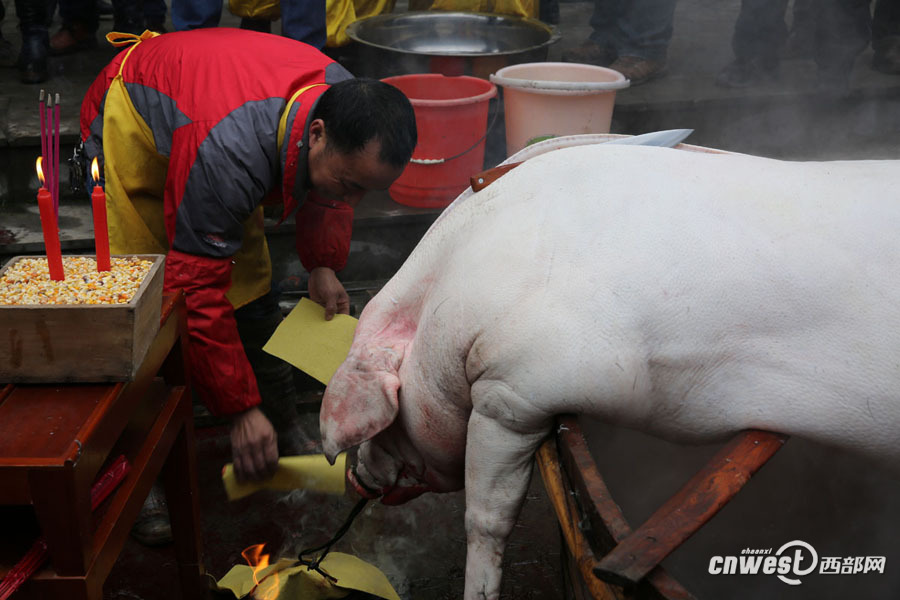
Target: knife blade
[(662, 139)]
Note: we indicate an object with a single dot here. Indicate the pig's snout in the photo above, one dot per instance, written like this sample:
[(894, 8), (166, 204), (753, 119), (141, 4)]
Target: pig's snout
[(405, 489), (361, 488)]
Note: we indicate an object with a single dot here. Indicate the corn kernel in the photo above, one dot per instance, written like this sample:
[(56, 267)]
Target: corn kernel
[(28, 281)]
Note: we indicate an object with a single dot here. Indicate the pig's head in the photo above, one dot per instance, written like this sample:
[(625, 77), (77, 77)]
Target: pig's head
[(360, 408)]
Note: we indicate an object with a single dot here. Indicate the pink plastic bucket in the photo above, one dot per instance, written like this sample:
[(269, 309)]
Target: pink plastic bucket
[(543, 100)]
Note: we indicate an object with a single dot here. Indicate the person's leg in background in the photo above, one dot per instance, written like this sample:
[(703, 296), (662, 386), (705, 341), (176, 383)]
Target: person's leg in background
[(79, 27), (643, 31), (195, 14), (802, 36), (759, 35), (304, 21), (548, 11), (260, 25), (843, 31), (886, 37), (128, 16), (34, 23), (7, 54), (104, 8), (600, 47), (154, 13)]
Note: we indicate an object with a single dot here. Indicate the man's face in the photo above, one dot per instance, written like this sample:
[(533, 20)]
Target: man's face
[(346, 177)]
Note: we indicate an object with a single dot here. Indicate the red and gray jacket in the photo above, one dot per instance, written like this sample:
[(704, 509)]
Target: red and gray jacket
[(213, 100)]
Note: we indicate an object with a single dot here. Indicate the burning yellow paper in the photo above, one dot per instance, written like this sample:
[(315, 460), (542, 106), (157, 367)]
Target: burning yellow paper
[(285, 580), (308, 472), (310, 343)]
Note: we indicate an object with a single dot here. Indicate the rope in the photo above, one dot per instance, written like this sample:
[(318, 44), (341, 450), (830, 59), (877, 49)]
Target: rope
[(438, 161), (326, 547)]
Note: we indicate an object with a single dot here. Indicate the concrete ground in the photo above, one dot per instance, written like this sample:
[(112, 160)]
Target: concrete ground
[(421, 546)]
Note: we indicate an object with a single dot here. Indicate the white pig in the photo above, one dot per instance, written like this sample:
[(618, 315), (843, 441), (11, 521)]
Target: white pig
[(685, 294)]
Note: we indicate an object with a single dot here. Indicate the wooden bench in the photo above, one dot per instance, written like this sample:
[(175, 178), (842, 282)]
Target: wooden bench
[(614, 561)]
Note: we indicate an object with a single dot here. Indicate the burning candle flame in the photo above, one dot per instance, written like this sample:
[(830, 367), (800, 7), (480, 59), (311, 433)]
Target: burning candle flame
[(95, 173), (40, 170), (259, 561)]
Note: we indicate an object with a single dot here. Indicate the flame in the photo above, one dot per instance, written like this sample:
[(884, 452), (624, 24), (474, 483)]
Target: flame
[(40, 170), (259, 561), (95, 173)]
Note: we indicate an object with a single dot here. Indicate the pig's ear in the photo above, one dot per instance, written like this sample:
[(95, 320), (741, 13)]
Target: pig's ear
[(356, 407)]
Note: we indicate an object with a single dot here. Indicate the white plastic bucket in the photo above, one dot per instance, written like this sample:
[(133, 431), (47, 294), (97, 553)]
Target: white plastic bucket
[(542, 100)]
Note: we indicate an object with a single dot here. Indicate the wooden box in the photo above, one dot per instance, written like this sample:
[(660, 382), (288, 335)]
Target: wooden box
[(77, 342)]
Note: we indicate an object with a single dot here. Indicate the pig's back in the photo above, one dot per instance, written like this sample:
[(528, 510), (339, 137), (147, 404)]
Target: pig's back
[(687, 292), (583, 219)]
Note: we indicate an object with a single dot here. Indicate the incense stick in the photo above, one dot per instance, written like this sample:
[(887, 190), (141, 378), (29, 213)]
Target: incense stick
[(56, 159), (43, 126), (51, 150), (48, 159)]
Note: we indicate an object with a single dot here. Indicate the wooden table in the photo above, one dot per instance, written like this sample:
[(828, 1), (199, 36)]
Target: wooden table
[(56, 439), (610, 561)]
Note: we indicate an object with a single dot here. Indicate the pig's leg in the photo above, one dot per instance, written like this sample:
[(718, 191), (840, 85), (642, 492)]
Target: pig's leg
[(500, 447)]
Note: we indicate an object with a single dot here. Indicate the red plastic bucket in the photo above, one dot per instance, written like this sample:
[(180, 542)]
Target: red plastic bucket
[(451, 118)]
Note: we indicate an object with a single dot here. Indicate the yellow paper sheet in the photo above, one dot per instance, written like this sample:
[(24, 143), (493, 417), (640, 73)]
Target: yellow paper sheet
[(310, 343), (284, 580), (309, 472)]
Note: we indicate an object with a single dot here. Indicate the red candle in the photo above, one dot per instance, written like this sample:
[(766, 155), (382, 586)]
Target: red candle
[(49, 227), (101, 232)]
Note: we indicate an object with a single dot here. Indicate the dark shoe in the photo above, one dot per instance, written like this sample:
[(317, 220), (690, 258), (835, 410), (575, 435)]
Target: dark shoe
[(261, 25), (32, 61), (7, 54), (887, 55), (638, 70), (128, 26), (72, 38), (590, 53), (745, 73), (157, 26), (152, 527), (34, 72)]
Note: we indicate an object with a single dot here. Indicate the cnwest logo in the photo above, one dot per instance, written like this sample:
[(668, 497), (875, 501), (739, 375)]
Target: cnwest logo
[(792, 561)]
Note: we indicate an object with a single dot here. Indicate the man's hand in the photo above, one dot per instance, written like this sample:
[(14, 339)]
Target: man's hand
[(325, 289), (254, 445)]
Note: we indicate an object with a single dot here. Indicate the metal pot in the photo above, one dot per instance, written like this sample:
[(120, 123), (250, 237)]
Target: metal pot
[(452, 43)]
